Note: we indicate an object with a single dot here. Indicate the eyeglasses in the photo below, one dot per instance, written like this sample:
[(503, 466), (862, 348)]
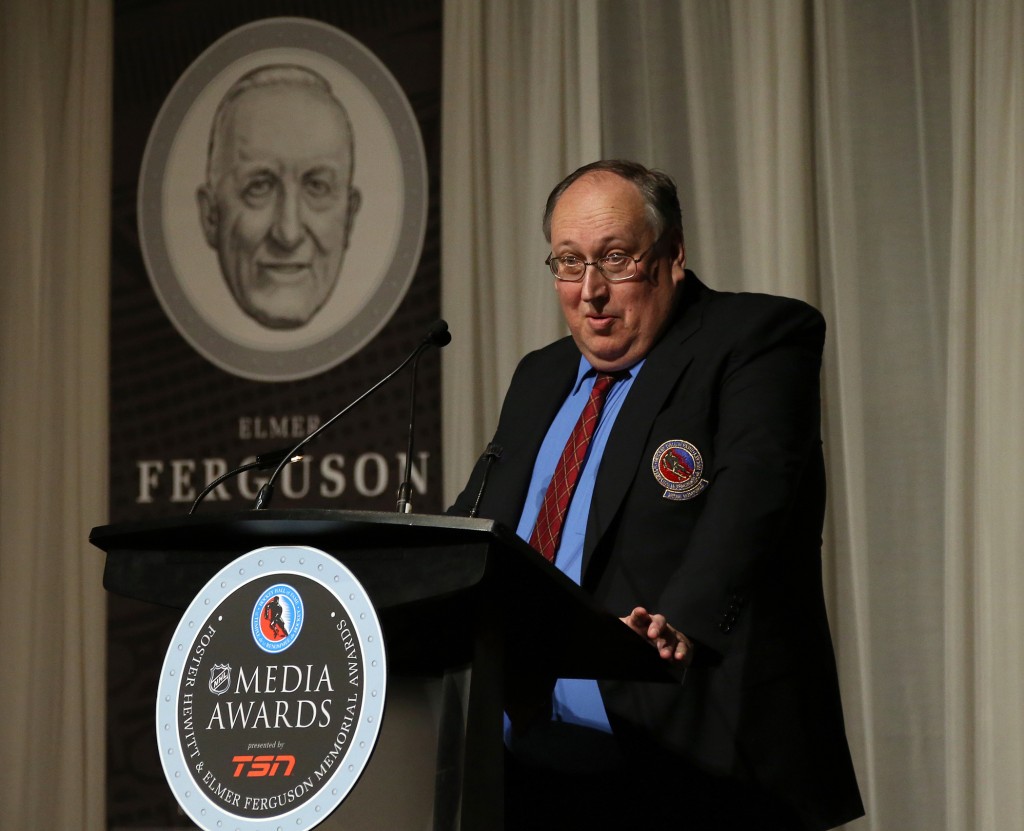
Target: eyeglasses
[(616, 268)]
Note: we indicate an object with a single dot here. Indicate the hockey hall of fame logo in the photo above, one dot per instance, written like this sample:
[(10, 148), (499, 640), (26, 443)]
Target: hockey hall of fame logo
[(678, 467), (272, 692)]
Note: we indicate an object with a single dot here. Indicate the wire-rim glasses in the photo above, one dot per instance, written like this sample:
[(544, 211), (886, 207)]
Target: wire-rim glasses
[(615, 268)]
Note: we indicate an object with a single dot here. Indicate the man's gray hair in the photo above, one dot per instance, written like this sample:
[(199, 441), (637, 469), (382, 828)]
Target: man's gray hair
[(656, 188)]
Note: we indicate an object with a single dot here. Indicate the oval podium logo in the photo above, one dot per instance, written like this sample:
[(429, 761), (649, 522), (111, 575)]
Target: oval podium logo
[(272, 692)]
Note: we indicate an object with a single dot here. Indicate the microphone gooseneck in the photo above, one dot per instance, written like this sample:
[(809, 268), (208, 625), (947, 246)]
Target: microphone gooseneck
[(437, 336), (263, 461), (490, 455)]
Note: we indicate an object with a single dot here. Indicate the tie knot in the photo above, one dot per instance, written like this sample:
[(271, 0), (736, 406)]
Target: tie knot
[(603, 382)]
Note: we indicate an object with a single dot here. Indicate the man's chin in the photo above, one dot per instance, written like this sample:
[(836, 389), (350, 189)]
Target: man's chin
[(282, 316), (283, 312), (282, 323)]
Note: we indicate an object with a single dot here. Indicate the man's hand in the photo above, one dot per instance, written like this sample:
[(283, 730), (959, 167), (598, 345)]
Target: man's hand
[(671, 644)]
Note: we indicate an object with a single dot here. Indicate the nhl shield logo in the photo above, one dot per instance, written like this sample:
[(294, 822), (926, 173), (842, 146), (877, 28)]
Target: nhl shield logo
[(678, 466), (220, 678)]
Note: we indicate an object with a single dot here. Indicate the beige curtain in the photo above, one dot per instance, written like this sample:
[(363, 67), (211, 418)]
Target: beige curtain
[(865, 155), (54, 150), (511, 125), (984, 523)]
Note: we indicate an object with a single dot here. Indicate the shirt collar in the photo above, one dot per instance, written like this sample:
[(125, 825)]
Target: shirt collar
[(587, 371)]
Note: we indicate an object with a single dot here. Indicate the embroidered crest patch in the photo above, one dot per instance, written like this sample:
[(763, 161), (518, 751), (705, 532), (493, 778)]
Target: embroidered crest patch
[(677, 465)]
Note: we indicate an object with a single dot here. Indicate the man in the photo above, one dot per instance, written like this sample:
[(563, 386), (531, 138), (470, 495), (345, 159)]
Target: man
[(278, 202), (696, 518)]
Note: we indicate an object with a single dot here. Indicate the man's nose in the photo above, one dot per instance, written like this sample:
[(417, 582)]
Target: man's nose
[(594, 286), (287, 229)]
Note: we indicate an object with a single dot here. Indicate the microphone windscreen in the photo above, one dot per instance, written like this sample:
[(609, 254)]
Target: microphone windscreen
[(439, 334)]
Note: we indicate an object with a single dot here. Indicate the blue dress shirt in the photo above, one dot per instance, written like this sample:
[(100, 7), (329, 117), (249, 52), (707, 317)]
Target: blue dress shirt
[(575, 700)]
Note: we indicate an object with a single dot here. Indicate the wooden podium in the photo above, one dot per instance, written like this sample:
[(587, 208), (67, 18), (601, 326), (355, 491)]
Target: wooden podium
[(451, 593)]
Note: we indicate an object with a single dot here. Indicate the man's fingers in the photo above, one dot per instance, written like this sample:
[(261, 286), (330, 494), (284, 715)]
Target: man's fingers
[(681, 650), (671, 644), (637, 620), (639, 616), (657, 625)]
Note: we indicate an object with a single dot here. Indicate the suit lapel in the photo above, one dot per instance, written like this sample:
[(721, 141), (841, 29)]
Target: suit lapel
[(535, 408), (660, 374)]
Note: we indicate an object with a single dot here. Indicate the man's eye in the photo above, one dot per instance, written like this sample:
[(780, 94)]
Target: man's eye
[(318, 187), (569, 261), (319, 183), (258, 188), (615, 259)]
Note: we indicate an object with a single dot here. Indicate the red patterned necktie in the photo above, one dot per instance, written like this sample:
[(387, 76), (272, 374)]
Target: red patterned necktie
[(548, 530)]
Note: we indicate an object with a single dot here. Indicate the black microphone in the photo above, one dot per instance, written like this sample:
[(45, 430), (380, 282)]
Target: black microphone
[(489, 457), (437, 336), (264, 461)]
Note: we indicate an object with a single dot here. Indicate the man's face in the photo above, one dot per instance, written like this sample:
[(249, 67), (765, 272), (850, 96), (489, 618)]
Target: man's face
[(614, 324), (279, 204)]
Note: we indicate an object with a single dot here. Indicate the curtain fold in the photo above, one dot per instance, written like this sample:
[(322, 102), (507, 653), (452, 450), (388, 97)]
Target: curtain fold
[(883, 141), (984, 525), (511, 129), (54, 151)]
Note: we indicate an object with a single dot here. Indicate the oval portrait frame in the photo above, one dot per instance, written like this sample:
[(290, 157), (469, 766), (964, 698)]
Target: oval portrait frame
[(183, 776), (388, 231)]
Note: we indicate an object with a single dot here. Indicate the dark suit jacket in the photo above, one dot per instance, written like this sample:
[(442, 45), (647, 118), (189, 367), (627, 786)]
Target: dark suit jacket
[(736, 567)]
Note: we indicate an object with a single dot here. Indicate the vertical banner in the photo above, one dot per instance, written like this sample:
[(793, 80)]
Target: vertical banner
[(275, 252)]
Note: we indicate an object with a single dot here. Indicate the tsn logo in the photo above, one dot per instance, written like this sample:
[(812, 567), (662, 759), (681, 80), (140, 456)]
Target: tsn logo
[(256, 766)]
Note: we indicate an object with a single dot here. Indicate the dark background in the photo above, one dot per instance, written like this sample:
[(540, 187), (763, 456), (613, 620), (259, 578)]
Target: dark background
[(168, 402)]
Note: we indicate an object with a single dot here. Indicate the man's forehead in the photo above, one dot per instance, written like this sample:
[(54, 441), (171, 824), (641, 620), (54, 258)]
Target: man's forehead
[(283, 120), (294, 104), (600, 202)]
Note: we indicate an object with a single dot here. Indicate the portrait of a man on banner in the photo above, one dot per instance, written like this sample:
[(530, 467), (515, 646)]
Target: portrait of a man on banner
[(278, 202)]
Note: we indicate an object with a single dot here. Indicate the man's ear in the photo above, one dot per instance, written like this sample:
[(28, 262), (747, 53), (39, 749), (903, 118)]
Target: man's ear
[(677, 257), (355, 199), (209, 216)]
